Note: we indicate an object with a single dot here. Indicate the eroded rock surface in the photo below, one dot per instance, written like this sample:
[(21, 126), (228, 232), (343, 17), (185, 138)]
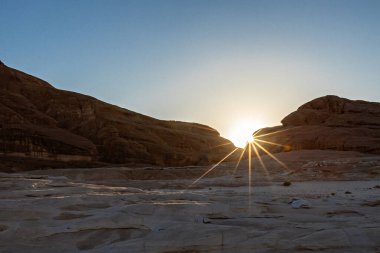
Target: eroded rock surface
[(43, 125), (328, 123)]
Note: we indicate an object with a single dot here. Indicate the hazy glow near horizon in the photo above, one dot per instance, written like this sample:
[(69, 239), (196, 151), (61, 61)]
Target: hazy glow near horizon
[(242, 131), (211, 62)]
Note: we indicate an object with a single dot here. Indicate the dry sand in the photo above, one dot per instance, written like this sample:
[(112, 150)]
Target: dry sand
[(153, 210)]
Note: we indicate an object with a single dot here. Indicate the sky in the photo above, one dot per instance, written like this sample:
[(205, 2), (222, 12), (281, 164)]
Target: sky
[(232, 65)]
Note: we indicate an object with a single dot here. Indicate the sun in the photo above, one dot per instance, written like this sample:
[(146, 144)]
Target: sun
[(242, 132), (242, 136)]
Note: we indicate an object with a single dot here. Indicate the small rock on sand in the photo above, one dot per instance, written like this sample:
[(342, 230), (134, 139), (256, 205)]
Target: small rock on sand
[(300, 203)]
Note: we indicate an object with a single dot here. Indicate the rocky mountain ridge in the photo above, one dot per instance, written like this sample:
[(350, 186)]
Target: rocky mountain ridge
[(328, 123), (55, 127)]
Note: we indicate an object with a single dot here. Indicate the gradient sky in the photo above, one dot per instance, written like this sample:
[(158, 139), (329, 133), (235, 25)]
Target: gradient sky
[(212, 62)]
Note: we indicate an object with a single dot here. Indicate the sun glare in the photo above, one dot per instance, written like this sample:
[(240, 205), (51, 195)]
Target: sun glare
[(242, 132), (242, 136)]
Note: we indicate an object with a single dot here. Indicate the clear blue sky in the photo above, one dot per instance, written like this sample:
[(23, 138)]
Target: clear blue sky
[(213, 62)]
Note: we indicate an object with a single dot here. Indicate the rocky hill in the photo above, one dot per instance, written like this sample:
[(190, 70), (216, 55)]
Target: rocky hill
[(328, 123), (43, 126)]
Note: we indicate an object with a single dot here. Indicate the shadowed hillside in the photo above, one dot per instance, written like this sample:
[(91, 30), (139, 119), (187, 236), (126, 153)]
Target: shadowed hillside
[(328, 123), (46, 126)]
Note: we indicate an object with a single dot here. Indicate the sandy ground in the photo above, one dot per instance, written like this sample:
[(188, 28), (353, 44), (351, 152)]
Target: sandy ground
[(158, 210)]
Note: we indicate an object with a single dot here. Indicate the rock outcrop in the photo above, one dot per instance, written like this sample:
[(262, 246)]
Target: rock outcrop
[(41, 123), (328, 122)]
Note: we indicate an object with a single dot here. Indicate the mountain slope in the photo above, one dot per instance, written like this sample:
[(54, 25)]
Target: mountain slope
[(38, 121), (328, 122)]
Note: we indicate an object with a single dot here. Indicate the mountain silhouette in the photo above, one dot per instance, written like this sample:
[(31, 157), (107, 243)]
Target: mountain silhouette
[(41, 126)]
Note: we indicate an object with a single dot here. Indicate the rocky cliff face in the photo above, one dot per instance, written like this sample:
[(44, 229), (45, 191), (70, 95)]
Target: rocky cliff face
[(38, 121), (329, 122)]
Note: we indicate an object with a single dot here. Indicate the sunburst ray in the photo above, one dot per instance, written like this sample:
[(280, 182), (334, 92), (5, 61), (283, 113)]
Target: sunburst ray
[(257, 132), (260, 160), (213, 167), (275, 132), (270, 142), (272, 156), (240, 157), (249, 174)]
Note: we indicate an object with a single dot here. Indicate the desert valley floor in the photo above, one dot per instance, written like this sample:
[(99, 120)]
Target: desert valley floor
[(331, 205)]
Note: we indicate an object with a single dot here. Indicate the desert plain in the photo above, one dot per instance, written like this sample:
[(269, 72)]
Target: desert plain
[(323, 201)]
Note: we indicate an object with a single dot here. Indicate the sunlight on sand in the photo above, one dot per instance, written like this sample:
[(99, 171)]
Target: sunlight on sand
[(252, 142)]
